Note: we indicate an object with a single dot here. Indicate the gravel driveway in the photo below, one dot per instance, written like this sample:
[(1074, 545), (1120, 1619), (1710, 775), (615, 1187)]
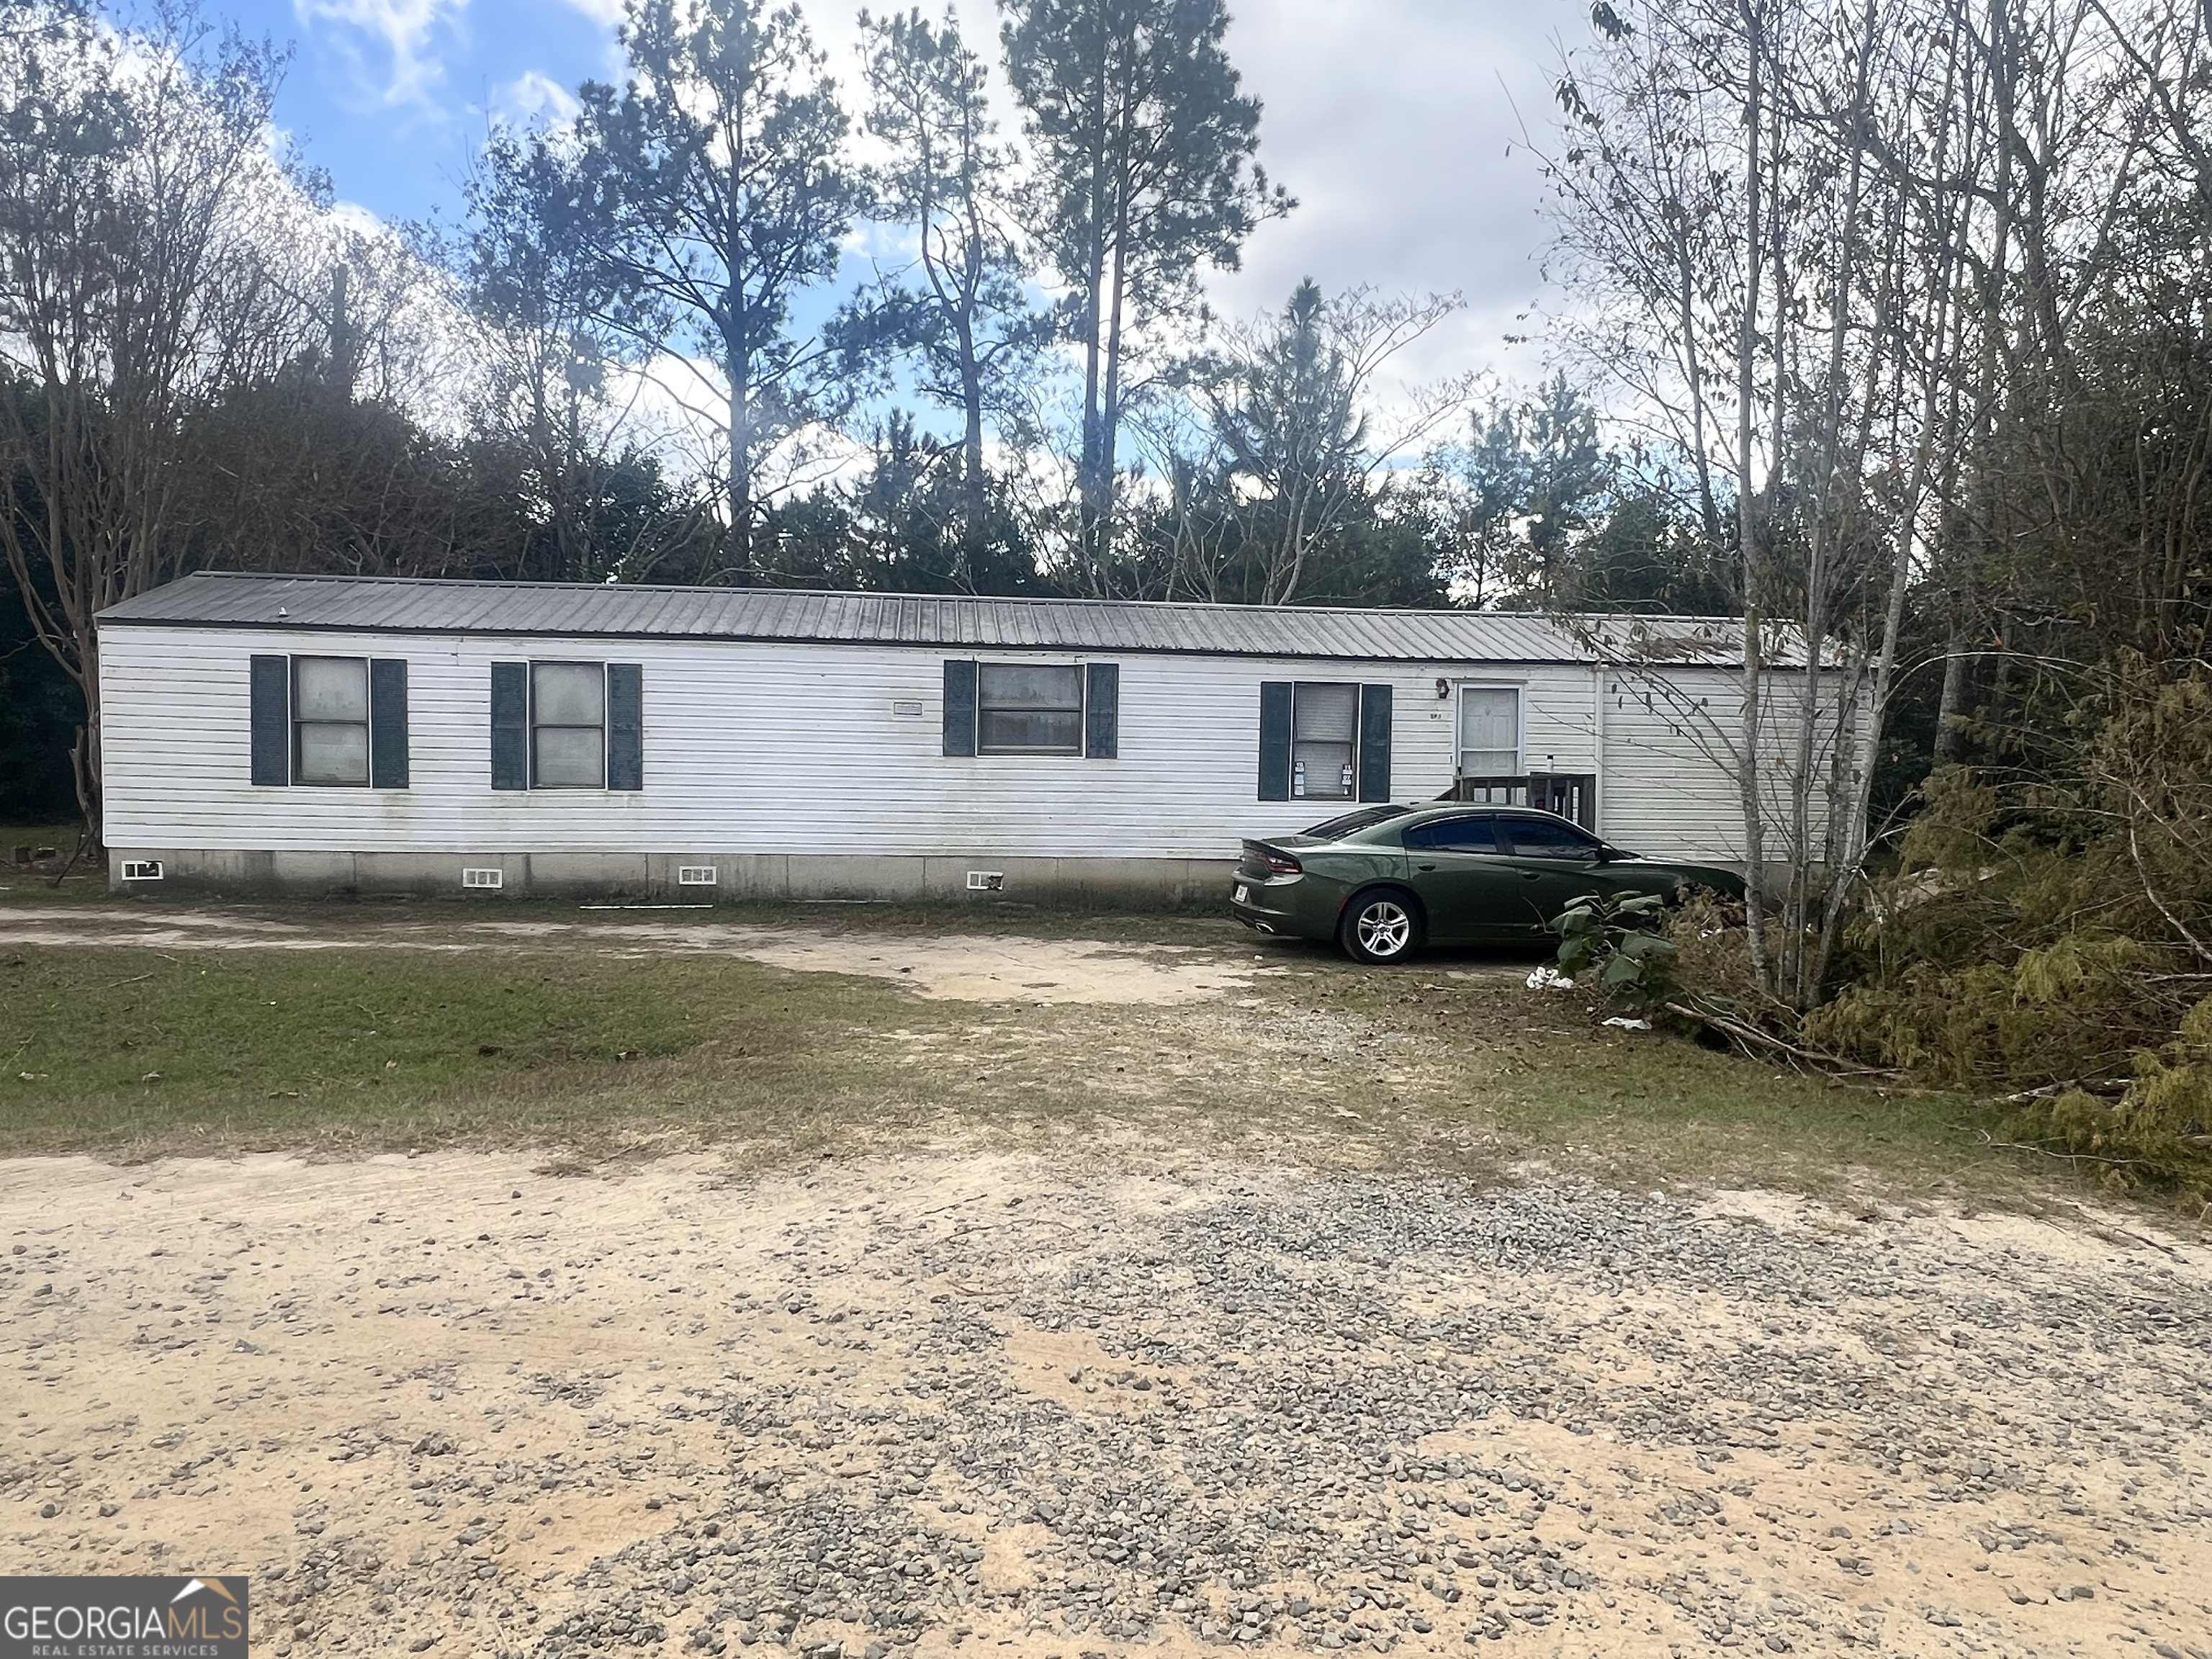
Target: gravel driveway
[(985, 1404)]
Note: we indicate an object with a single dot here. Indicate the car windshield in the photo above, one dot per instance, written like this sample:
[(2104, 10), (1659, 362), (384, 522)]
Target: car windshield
[(1352, 823)]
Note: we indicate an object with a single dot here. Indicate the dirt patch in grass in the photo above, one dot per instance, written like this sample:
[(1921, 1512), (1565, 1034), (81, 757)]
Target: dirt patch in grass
[(960, 966)]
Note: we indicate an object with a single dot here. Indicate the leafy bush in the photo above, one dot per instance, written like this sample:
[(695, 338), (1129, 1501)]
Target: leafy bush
[(1612, 945)]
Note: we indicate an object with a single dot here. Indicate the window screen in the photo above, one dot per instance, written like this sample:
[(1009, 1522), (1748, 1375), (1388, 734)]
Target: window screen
[(330, 719), (1029, 710), (568, 724), (1489, 732), (1548, 838), (1324, 725)]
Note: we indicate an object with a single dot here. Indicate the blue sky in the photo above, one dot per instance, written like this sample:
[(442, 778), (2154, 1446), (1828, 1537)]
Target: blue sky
[(1390, 119)]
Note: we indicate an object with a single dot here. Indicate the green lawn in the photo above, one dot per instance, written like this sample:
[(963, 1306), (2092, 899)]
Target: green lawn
[(132, 1050), (589, 1048)]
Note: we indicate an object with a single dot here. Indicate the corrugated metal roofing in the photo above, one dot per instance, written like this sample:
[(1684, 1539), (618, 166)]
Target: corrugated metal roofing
[(394, 604)]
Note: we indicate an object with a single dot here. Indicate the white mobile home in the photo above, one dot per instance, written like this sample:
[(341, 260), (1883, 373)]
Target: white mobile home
[(326, 735)]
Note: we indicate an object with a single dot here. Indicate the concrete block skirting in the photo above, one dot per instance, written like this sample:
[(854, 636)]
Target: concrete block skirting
[(656, 877)]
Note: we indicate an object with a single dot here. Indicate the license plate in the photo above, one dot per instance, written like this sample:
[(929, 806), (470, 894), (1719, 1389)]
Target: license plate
[(1243, 893)]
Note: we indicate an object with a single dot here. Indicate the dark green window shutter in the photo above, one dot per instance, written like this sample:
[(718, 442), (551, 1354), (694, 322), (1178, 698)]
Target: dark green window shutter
[(1275, 740), (625, 726), (271, 720), (1102, 711), (959, 707), (387, 723), (510, 726), (1373, 743)]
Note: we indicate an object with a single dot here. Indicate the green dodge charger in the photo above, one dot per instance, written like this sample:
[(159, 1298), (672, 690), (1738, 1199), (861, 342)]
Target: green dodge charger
[(1385, 881)]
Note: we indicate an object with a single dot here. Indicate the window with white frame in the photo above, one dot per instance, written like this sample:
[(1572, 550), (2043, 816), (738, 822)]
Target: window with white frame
[(1490, 732), (1324, 741), (568, 724), (330, 721), (1025, 708)]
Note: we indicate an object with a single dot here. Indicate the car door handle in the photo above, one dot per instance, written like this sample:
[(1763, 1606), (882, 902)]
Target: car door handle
[(1425, 866), (1532, 875)]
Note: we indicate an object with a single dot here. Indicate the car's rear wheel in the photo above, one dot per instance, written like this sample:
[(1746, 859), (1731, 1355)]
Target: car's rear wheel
[(1380, 926)]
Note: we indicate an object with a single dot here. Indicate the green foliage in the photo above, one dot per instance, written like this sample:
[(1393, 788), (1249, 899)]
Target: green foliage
[(908, 525), (716, 187), (962, 319), (39, 707), (1611, 945), (1145, 142), (2045, 937)]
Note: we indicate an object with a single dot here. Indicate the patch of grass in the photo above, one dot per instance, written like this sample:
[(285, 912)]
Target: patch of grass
[(1519, 1078), (1450, 1065), (136, 1050), (591, 1048), (1204, 925), (31, 883)]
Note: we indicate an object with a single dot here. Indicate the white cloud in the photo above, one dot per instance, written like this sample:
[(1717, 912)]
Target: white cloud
[(1390, 121), (531, 98), (390, 42), (606, 13), (353, 216)]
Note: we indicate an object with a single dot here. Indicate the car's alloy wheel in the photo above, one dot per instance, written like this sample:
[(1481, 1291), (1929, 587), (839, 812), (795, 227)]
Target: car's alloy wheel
[(1381, 928)]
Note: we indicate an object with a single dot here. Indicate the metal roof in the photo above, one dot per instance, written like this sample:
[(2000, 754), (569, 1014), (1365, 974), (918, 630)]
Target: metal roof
[(400, 605)]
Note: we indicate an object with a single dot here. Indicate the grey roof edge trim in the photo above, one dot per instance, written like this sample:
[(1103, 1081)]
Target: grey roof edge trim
[(1042, 600), (453, 607), (955, 646)]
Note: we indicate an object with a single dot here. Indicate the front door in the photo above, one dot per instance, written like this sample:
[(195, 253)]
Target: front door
[(1457, 866)]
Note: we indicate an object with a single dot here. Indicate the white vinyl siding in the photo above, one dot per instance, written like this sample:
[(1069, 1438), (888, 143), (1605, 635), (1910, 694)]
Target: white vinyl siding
[(799, 749)]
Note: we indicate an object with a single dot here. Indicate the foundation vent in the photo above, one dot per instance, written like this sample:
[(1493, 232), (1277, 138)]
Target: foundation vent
[(141, 869), (695, 875), (483, 879), (986, 881)]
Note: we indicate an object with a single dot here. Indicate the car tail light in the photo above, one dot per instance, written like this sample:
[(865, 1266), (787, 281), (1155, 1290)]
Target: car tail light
[(1276, 862)]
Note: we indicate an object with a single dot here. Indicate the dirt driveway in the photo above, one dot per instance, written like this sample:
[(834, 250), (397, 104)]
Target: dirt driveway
[(964, 1401), (960, 966)]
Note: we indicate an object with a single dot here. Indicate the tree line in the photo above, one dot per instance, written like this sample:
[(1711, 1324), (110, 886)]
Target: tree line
[(641, 355), (1881, 328), (1918, 298)]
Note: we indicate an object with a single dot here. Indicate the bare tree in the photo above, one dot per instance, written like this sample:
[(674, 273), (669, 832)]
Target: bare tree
[(134, 177), (1760, 194)]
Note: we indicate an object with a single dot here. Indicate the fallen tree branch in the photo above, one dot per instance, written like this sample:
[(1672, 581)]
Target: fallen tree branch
[(1752, 1037), (2109, 1088), (2110, 1231), (2143, 871)]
